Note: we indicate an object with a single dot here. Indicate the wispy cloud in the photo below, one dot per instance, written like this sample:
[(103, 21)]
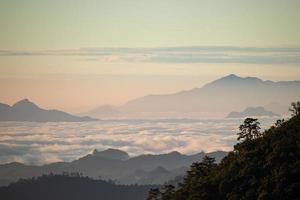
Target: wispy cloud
[(183, 54)]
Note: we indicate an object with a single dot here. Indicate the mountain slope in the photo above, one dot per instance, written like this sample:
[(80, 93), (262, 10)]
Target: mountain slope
[(25, 110), (222, 95)]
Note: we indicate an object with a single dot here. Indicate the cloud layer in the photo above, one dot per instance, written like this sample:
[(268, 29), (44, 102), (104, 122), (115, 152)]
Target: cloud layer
[(40, 143), (183, 54)]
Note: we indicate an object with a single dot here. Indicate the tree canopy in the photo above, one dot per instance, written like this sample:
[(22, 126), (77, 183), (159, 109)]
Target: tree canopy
[(295, 108), (263, 166), (249, 130)]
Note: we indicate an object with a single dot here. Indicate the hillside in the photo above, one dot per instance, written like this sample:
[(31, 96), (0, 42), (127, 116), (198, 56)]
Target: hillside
[(267, 167)]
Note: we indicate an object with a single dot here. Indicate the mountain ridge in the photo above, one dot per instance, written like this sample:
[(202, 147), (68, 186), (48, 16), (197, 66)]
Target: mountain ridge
[(93, 165), (25, 110), (257, 111), (214, 99)]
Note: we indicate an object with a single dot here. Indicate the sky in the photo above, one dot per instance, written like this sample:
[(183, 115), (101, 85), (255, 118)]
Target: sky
[(81, 54)]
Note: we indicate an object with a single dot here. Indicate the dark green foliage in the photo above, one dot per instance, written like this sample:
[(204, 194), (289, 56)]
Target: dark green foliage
[(71, 187), (295, 108), (279, 122), (265, 166), (168, 192), (250, 129), (154, 194)]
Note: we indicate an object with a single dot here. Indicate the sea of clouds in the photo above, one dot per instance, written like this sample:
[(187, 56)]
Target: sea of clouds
[(40, 143)]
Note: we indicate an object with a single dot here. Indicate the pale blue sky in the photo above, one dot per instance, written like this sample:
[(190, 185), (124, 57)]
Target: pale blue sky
[(48, 24)]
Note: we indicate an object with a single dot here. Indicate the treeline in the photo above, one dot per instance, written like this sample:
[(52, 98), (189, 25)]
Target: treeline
[(263, 165), (71, 187)]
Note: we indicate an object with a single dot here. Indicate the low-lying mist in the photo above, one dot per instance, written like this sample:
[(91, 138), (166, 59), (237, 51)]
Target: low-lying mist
[(41, 143)]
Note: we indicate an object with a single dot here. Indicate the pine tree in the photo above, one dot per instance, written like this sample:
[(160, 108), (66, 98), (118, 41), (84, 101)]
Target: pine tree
[(249, 130), (154, 194), (295, 108)]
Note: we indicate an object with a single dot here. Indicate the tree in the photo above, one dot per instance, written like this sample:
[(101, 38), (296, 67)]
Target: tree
[(263, 168), (249, 130), (154, 194), (295, 108), (279, 122), (168, 192), (208, 161)]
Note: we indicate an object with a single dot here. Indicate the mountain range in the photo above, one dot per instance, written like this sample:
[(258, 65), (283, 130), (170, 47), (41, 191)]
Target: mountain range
[(252, 112), (113, 164), (213, 99), (25, 110), (217, 97)]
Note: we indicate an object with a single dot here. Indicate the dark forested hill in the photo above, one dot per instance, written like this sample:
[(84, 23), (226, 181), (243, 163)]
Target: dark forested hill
[(265, 166), (71, 187)]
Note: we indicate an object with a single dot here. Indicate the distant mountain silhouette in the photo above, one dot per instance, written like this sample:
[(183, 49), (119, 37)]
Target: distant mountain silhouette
[(112, 164), (4, 107), (220, 96), (103, 111), (111, 154), (252, 112), (158, 175), (25, 110)]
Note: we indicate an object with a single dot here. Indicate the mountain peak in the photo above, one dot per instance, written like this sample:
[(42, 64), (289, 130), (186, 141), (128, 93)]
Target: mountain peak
[(111, 154), (24, 100), (231, 76), (25, 103), (25, 110), (252, 112), (233, 80), (235, 77), (174, 153)]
